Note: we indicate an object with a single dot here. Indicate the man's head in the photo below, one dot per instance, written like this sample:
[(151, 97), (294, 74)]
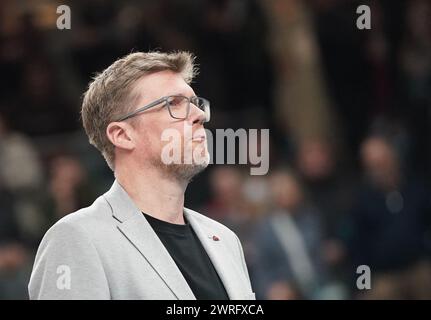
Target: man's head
[(380, 161), (286, 189), (130, 83)]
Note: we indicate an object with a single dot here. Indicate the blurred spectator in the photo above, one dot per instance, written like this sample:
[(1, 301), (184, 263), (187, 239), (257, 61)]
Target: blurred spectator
[(14, 257), (331, 189), (330, 186), (390, 224), (42, 98), (227, 199), (20, 167), (415, 65), (288, 242), (21, 174), (69, 187), (18, 175)]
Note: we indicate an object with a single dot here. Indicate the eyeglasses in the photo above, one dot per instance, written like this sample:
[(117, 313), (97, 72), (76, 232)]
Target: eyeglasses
[(178, 107)]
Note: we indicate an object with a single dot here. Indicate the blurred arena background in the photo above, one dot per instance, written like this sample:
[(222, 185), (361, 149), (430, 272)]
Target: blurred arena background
[(348, 112)]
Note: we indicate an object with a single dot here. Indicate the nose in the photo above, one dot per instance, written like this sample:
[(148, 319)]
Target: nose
[(197, 115)]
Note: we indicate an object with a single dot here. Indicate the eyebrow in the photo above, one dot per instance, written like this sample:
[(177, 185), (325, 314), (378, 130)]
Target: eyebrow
[(181, 94)]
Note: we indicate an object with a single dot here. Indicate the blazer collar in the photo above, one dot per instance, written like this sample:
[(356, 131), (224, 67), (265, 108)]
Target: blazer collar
[(138, 231)]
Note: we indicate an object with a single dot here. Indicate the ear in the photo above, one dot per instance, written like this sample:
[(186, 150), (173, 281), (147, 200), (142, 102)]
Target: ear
[(120, 135)]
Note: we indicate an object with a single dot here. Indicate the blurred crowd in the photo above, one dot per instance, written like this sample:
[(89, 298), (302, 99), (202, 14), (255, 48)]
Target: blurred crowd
[(348, 112)]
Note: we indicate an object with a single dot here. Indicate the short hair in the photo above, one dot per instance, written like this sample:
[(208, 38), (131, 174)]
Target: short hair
[(110, 93)]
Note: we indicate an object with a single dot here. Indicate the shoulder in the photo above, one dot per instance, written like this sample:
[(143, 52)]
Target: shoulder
[(85, 222)]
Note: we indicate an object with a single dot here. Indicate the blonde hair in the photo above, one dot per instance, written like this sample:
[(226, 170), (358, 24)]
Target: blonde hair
[(110, 94)]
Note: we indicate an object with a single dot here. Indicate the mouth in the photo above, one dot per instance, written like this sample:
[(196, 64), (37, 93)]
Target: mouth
[(199, 138)]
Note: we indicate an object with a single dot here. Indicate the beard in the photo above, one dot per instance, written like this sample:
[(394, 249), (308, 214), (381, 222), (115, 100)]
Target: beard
[(183, 171)]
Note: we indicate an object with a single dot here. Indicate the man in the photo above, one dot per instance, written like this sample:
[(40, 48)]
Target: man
[(137, 241), (390, 220)]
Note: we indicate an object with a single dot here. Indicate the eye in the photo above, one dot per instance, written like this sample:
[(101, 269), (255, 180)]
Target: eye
[(175, 101)]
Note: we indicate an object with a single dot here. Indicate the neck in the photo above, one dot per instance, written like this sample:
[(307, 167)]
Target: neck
[(157, 195)]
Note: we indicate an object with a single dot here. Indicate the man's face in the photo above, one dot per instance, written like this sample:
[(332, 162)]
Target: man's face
[(152, 124), (380, 162)]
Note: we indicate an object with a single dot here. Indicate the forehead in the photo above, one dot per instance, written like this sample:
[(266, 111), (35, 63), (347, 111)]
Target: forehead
[(160, 84)]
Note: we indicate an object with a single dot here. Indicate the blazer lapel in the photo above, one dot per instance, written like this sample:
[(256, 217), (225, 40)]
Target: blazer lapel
[(138, 231), (225, 267)]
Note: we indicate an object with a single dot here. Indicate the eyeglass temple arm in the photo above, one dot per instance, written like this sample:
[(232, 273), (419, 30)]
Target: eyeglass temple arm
[(139, 110)]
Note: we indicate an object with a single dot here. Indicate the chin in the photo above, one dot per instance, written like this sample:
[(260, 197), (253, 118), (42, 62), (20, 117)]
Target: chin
[(186, 172)]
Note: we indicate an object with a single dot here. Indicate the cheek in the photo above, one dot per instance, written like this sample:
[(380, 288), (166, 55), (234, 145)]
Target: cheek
[(147, 139), (144, 147)]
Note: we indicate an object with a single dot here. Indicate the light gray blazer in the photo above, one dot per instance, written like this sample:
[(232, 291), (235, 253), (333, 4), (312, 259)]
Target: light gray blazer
[(110, 251)]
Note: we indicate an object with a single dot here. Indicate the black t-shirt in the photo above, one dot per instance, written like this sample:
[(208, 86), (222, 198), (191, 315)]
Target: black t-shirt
[(191, 258)]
